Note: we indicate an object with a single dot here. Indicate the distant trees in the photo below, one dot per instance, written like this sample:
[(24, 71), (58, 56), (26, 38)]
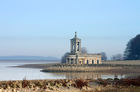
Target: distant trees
[(63, 59), (117, 57), (84, 50), (132, 51), (104, 57)]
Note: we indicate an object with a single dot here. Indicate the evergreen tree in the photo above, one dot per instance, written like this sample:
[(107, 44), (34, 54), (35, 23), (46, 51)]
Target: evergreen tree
[(132, 51)]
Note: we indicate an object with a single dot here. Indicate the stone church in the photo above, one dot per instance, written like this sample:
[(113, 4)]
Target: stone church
[(76, 57)]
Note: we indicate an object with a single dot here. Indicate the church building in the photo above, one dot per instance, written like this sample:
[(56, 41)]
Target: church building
[(77, 57)]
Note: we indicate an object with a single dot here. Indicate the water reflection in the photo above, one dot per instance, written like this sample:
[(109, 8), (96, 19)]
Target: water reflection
[(89, 75)]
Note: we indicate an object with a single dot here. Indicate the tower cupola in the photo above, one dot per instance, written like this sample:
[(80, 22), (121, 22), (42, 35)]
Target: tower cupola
[(75, 44)]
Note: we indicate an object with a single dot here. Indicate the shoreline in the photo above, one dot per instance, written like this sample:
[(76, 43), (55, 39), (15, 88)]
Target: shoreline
[(40, 66), (103, 68), (77, 85)]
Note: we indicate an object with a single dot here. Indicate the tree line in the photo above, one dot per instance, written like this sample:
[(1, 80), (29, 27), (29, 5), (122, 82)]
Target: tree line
[(131, 52)]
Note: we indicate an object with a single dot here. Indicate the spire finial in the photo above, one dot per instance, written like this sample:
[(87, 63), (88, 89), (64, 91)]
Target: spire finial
[(75, 34)]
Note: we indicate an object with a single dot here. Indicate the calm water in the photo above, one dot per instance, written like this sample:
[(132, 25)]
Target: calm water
[(13, 73)]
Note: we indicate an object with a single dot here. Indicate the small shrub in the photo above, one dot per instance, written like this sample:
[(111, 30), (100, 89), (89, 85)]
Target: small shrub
[(25, 83), (81, 83)]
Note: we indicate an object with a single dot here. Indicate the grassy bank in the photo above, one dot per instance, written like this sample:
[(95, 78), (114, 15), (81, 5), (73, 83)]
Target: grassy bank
[(107, 68), (79, 69)]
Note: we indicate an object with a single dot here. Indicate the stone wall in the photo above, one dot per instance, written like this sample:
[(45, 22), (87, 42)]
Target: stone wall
[(84, 59)]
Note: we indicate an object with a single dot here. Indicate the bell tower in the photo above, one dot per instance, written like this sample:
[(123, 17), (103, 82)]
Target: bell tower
[(75, 45)]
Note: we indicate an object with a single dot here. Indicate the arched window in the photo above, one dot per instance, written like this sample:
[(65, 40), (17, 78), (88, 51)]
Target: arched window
[(92, 61), (78, 46), (97, 61), (80, 62), (87, 62), (72, 61), (73, 47)]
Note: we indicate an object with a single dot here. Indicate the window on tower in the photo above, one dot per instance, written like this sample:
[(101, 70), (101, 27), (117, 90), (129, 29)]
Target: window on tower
[(78, 46), (73, 47)]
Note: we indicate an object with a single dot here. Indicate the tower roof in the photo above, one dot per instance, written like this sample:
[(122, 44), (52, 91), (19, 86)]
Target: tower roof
[(75, 37)]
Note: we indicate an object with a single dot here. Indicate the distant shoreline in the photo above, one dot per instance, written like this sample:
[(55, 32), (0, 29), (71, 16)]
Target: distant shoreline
[(28, 58), (31, 60), (41, 66)]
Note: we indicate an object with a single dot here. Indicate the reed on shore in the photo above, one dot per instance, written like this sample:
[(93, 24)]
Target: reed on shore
[(77, 85), (78, 69), (102, 68)]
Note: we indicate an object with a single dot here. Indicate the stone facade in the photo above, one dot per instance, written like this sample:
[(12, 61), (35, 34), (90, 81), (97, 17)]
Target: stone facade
[(76, 57)]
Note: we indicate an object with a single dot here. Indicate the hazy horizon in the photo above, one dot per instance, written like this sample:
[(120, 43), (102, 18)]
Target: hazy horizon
[(44, 28)]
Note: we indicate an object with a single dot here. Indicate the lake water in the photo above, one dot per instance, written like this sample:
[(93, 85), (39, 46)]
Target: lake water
[(13, 73)]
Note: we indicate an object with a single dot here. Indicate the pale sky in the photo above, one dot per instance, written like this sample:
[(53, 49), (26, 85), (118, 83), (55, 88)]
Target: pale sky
[(45, 27)]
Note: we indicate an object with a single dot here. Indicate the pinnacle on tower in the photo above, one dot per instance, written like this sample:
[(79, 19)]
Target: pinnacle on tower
[(75, 34)]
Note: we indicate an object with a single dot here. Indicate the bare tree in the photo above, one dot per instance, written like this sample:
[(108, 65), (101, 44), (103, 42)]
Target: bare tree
[(63, 59), (117, 57), (84, 50), (104, 57)]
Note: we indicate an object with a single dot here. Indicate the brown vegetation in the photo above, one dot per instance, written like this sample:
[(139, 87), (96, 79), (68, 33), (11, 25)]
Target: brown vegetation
[(42, 85), (77, 85), (121, 69)]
